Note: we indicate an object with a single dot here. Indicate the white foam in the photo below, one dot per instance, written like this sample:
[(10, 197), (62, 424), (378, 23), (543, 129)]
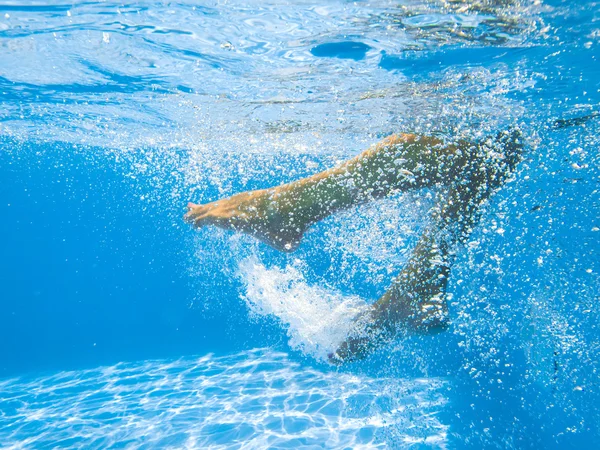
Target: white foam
[(317, 319)]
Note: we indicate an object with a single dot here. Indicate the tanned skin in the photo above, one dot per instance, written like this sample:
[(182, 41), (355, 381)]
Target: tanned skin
[(465, 175)]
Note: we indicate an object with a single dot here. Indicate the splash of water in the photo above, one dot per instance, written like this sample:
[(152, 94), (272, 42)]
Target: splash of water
[(317, 319)]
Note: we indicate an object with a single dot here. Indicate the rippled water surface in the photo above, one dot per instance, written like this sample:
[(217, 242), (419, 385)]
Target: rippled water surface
[(114, 115), (100, 67)]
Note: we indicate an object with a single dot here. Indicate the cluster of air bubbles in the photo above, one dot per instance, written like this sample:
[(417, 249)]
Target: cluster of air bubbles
[(317, 319), (369, 244)]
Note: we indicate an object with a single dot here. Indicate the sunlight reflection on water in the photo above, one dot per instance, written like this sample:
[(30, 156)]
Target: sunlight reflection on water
[(254, 399)]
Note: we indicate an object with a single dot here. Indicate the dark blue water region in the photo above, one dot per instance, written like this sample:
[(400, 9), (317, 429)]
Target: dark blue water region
[(90, 275), (344, 50), (562, 68), (424, 62)]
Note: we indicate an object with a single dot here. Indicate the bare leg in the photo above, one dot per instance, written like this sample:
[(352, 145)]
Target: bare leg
[(416, 300), (280, 216)]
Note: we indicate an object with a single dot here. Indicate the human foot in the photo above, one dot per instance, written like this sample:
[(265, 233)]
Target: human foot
[(366, 335), (420, 312), (260, 214), (417, 301)]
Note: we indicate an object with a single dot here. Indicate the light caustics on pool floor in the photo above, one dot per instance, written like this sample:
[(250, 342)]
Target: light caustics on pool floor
[(254, 399)]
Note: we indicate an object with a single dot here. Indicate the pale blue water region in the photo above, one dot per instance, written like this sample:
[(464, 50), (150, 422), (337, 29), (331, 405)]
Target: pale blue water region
[(121, 327)]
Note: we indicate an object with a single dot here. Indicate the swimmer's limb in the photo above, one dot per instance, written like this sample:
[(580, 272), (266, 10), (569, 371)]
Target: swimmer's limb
[(416, 301), (280, 216)]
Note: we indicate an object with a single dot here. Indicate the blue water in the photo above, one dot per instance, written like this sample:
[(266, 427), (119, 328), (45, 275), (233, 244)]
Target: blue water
[(121, 327)]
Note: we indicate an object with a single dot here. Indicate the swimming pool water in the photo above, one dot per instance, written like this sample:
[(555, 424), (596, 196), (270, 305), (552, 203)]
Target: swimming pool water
[(257, 398), (120, 327)]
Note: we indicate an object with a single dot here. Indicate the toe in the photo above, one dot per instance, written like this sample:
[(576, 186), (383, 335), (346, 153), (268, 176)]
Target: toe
[(191, 206), (194, 212)]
